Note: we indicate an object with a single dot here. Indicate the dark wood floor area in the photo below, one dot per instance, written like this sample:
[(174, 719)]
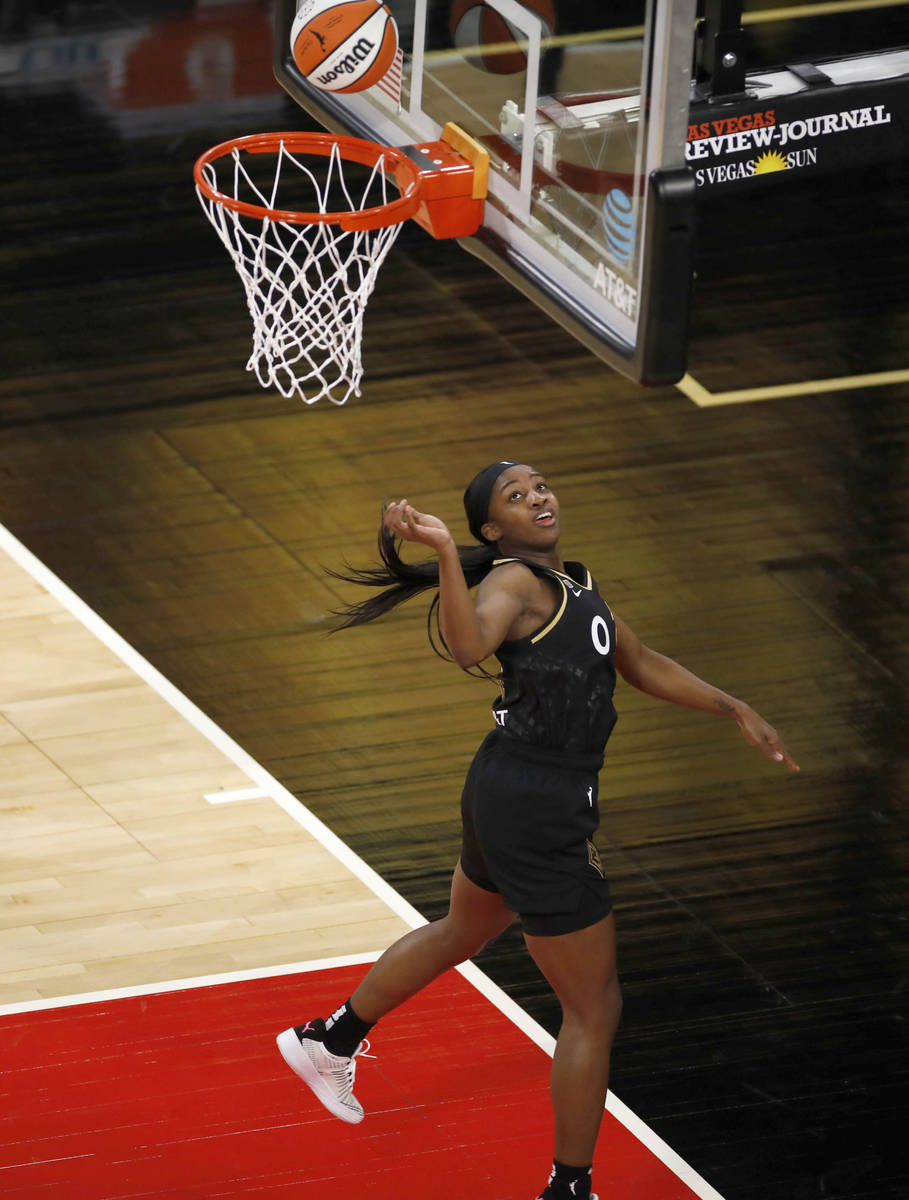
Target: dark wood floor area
[(762, 917)]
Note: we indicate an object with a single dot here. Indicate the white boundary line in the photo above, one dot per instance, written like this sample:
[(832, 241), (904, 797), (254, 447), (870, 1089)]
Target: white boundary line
[(180, 985), (311, 823), (253, 793)]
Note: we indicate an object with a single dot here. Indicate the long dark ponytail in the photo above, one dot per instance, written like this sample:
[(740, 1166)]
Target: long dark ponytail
[(401, 581)]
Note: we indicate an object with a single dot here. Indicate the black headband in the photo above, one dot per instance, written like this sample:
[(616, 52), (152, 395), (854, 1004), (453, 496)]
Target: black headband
[(477, 496)]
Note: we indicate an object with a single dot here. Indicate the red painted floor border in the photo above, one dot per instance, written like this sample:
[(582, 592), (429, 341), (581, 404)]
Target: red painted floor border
[(183, 1095)]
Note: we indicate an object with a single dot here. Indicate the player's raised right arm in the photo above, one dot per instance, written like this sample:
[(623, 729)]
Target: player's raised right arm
[(471, 631)]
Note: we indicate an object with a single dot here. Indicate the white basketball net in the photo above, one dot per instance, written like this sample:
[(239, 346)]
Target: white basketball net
[(306, 285)]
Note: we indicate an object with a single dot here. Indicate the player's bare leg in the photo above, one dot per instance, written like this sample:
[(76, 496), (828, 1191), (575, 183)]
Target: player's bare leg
[(475, 917), (581, 969)]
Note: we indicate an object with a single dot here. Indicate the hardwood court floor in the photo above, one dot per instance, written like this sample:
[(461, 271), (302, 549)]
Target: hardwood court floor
[(130, 855), (761, 917)]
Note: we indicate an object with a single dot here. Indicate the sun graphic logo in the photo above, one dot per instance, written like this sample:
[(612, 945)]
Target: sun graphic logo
[(772, 160)]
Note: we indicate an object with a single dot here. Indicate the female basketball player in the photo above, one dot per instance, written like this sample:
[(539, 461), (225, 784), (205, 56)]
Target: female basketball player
[(529, 805)]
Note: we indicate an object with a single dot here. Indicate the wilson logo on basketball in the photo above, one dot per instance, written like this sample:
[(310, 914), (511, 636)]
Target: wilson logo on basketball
[(344, 45), (348, 64)]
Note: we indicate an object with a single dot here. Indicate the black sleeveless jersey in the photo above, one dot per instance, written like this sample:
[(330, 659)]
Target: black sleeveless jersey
[(558, 682)]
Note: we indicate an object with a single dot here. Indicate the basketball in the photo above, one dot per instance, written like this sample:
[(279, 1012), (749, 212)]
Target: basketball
[(343, 47), (473, 24)]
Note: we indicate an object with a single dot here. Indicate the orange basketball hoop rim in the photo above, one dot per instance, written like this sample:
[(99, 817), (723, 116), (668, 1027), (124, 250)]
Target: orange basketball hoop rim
[(441, 184)]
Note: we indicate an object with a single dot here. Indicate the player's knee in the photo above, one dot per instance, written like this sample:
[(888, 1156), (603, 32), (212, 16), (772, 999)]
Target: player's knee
[(597, 1010), (464, 940)]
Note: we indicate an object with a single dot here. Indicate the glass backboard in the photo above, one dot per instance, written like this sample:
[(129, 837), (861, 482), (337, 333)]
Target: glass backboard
[(591, 207)]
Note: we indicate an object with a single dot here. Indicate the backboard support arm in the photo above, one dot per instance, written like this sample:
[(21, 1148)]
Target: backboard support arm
[(720, 50)]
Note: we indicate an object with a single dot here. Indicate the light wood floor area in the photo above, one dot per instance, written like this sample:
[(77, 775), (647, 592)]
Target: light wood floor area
[(115, 870)]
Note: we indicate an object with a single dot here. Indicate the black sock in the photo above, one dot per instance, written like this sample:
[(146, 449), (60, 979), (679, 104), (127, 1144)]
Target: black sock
[(344, 1031), (566, 1183)]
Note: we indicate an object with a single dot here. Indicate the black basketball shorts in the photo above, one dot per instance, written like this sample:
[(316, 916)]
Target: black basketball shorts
[(528, 818)]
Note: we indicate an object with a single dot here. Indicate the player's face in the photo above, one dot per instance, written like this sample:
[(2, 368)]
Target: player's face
[(523, 511)]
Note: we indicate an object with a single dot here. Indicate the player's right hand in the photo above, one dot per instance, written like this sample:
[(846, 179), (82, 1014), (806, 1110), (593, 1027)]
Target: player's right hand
[(403, 520)]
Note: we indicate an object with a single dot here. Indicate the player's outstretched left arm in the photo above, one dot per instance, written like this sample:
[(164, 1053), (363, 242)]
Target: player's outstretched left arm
[(666, 679)]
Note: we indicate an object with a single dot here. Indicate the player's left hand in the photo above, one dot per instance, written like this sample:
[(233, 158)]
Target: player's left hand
[(760, 734)]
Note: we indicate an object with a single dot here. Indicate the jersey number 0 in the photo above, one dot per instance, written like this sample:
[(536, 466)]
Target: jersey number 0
[(599, 634)]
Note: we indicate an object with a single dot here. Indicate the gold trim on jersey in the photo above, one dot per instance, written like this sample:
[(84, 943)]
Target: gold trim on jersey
[(587, 585), (557, 616), (560, 578)]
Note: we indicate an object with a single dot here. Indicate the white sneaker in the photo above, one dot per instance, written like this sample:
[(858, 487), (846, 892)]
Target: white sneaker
[(329, 1076)]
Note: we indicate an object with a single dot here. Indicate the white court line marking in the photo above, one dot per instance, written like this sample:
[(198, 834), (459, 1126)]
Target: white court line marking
[(320, 831), (253, 793), (180, 985), (696, 392)]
